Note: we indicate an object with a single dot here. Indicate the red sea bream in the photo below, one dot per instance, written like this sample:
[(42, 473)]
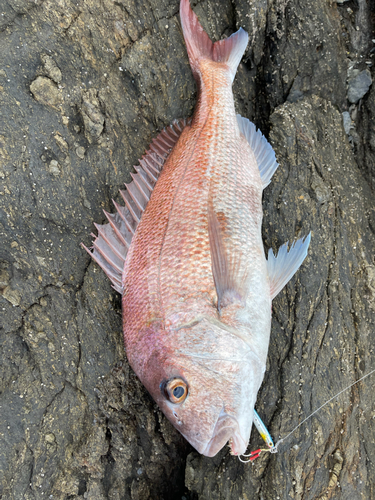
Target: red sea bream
[(186, 253)]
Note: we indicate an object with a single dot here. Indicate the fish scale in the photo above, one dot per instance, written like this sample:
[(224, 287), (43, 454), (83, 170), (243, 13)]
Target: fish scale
[(196, 285), (200, 176)]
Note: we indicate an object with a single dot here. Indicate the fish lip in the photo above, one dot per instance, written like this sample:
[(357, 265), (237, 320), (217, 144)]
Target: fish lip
[(238, 445), (226, 429)]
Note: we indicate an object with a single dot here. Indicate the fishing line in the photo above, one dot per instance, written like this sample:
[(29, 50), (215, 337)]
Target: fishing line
[(274, 449)]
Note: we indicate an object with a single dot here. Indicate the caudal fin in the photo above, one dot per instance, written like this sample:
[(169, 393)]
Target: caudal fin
[(199, 45)]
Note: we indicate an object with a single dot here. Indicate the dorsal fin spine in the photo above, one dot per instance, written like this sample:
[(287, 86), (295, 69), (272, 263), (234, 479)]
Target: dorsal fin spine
[(151, 166), (110, 247), (119, 209), (142, 171), (138, 182), (102, 234), (134, 195), (125, 195), (107, 257), (114, 227)]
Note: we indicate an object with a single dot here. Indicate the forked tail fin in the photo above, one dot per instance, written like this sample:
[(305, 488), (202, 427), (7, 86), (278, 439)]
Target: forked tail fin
[(199, 46)]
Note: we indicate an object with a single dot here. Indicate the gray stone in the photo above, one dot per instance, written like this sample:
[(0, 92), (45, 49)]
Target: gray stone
[(359, 85), (54, 167), (80, 152), (347, 121)]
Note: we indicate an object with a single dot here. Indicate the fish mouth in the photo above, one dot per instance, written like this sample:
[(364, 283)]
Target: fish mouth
[(226, 429)]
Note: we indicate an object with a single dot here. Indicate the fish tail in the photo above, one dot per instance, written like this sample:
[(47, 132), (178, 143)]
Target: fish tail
[(199, 46)]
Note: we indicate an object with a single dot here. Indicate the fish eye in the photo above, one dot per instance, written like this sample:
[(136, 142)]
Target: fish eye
[(176, 390)]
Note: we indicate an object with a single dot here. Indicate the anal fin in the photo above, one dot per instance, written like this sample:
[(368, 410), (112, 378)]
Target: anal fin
[(282, 267)]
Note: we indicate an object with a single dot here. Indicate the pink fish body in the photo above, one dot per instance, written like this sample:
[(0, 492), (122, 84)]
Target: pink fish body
[(196, 285)]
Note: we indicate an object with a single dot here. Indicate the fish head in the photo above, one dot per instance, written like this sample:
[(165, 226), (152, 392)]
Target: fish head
[(205, 380)]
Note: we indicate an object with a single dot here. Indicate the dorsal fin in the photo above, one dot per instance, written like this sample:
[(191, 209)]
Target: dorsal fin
[(229, 277), (262, 149), (111, 245)]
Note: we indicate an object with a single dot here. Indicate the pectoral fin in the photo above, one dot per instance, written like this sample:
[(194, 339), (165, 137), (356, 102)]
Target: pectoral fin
[(227, 271), (282, 267)]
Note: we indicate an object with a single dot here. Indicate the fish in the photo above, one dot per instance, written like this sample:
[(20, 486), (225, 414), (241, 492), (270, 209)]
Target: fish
[(186, 253)]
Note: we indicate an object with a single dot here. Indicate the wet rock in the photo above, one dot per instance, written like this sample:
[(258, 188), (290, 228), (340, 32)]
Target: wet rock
[(51, 68), (54, 167), (302, 55), (347, 121), (63, 145), (358, 85), (4, 276), (93, 119), (45, 91), (12, 296), (252, 16), (80, 152)]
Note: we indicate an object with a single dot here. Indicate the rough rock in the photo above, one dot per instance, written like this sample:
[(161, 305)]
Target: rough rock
[(51, 69), (84, 87), (347, 121), (93, 119), (45, 91), (359, 85)]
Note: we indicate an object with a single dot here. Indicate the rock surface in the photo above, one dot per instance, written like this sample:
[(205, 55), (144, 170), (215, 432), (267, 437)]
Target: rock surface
[(359, 85), (84, 87)]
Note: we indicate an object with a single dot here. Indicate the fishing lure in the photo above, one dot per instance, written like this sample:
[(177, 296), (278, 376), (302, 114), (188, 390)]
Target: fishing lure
[(273, 448)]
